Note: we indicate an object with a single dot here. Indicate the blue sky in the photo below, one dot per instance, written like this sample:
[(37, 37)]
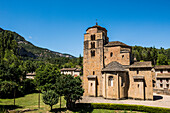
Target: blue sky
[(59, 25)]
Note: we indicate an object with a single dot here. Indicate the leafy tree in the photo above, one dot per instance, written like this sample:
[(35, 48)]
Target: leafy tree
[(7, 89), (162, 59), (50, 98), (59, 86), (46, 76), (72, 89)]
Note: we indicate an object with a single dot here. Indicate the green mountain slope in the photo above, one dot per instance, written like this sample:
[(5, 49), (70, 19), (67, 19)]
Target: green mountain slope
[(27, 49)]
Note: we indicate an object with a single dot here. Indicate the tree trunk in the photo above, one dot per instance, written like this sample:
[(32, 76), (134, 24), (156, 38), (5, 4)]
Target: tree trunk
[(60, 102), (51, 107), (39, 100), (14, 96)]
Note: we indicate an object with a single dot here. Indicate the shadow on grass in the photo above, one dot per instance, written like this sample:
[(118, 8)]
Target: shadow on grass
[(79, 110), (10, 107), (57, 110)]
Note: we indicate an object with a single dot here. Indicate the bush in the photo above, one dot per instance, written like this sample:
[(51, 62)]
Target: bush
[(123, 107)]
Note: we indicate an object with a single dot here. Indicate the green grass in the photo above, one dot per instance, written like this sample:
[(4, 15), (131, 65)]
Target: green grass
[(30, 101)]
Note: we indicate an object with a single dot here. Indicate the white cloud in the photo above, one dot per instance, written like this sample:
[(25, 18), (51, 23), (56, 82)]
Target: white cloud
[(30, 37)]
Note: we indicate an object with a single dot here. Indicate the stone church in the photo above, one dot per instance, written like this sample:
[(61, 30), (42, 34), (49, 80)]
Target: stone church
[(109, 70)]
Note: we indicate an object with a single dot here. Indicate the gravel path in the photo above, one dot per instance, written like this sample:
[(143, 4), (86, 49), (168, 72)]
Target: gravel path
[(159, 101)]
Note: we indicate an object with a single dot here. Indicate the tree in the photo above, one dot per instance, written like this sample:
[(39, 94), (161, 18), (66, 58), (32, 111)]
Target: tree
[(46, 76), (59, 86), (162, 59), (154, 55), (50, 98), (72, 90)]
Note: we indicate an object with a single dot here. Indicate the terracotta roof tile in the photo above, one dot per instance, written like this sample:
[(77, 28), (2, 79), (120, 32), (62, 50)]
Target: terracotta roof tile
[(98, 27), (162, 67), (117, 43), (70, 69), (114, 66), (146, 64)]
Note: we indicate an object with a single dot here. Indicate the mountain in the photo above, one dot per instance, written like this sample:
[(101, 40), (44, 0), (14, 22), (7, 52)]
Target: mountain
[(27, 49)]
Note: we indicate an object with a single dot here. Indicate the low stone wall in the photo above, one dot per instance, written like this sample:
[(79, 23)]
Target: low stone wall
[(162, 91)]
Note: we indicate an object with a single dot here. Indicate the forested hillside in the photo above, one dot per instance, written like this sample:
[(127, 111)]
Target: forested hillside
[(157, 56), (33, 55), (28, 50)]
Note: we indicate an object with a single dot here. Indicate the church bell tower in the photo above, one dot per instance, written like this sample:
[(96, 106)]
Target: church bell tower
[(93, 59)]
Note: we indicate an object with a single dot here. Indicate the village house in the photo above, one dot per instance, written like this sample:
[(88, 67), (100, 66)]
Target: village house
[(31, 75), (162, 79), (71, 71), (109, 70)]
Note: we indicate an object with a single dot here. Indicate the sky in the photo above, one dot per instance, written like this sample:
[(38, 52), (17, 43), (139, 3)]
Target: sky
[(59, 25)]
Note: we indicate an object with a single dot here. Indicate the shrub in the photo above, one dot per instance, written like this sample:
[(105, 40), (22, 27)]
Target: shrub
[(123, 107)]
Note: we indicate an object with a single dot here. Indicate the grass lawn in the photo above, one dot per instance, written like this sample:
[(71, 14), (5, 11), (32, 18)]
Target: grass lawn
[(30, 101)]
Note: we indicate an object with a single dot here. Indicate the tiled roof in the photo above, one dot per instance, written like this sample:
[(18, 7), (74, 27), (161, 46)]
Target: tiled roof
[(146, 64), (70, 69), (114, 66), (162, 67), (98, 27), (31, 74), (117, 43)]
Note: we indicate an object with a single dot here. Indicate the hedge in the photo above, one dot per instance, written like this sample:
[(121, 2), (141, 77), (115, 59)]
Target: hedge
[(112, 106)]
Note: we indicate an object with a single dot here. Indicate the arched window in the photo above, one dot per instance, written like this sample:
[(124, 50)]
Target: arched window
[(92, 44), (92, 53), (110, 81), (92, 37), (111, 54), (93, 72)]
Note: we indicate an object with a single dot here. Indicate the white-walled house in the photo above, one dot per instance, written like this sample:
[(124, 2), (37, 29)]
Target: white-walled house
[(71, 71)]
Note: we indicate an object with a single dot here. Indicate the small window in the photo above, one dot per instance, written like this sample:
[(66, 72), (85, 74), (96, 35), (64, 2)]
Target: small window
[(168, 70), (111, 54), (91, 84), (122, 56), (110, 81), (93, 72), (167, 85), (137, 71), (105, 57), (167, 80), (92, 53), (161, 85), (161, 71), (92, 37), (161, 80), (138, 85)]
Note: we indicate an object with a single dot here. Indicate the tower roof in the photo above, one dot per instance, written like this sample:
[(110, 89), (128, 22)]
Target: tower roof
[(98, 27)]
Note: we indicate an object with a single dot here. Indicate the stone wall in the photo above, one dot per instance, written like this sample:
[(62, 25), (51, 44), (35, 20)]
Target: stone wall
[(117, 53), (140, 88)]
